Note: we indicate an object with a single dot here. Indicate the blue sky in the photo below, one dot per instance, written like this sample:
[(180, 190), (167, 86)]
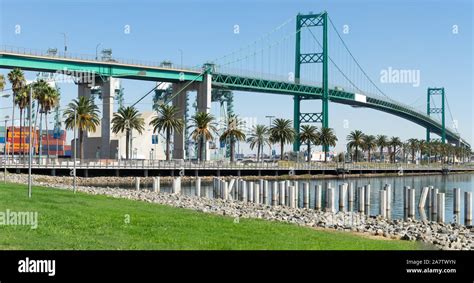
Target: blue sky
[(410, 35)]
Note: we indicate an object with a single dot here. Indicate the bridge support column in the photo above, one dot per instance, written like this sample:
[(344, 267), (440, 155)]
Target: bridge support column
[(204, 105), (179, 101), (108, 93)]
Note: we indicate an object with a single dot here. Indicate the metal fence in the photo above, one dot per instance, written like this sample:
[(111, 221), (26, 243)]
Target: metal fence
[(58, 163)]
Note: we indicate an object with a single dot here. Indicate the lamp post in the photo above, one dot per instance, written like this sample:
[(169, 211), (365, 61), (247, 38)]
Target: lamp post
[(30, 152), (96, 51), (65, 43), (5, 152)]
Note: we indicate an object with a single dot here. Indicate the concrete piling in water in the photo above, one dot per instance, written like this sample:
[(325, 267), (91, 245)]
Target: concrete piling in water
[(225, 190), (429, 200), (297, 193), (383, 203), (330, 198), (350, 197), (434, 201), (411, 203), (282, 192), (405, 197), (468, 208), (275, 193), (137, 183), (424, 195), (291, 191), (342, 197), (306, 195), (318, 196), (367, 198), (250, 191), (198, 186), (440, 207), (244, 191), (388, 189), (265, 192), (156, 184), (260, 184), (456, 200), (361, 199), (256, 193)]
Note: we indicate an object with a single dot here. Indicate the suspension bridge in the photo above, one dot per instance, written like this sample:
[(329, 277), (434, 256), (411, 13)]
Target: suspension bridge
[(304, 57)]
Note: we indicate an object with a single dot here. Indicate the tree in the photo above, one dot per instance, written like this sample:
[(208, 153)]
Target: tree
[(327, 138), (2, 82), (87, 118), (17, 80), (369, 145), (394, 143), (169, 122), (40, 89), (204, 128), (259, 136), (127, 119), (309, 135), (22, 99), (49, 101), (282, 132), (356, 140), (233, 133), (413, 145), (381, 142)]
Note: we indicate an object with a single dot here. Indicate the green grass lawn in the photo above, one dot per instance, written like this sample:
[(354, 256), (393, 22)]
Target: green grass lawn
[(81, 221)]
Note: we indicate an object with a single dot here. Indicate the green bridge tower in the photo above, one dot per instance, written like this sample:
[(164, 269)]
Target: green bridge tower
[(302, 21), (435, 110)]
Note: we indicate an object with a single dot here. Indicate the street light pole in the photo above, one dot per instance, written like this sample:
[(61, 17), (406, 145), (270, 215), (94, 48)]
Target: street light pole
[(5, 152), (65, 43), (96, 50), (29, 141), (75, 150)]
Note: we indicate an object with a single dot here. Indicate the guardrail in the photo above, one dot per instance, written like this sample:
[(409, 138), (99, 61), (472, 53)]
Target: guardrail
[(55, 163)]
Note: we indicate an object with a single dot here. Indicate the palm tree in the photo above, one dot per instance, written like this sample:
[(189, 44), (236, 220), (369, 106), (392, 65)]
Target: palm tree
[(381, 142), (2, 82), (204, 128), (394, 143), (413, 145), (22, 99), (369, 144), (327, 138), (49, 101), (308, 135), (282, 132), (259, 136), (356, 140), (40, 90), (87, 118), (422, 147), (233, 133), (169, 122), (127, 119), (17, 80)]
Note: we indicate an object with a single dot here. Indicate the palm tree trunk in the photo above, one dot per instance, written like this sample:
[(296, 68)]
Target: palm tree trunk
[(47, 136), (261, 152), (369, 155), (281, 150), (357, 154), (41, 135), (168, 136), (35, 142), (413, 156), (309, 152), (127, 144), (232, 150), (81, 146), (381, 153), (325, 153), (200, 147), (258, 152)]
